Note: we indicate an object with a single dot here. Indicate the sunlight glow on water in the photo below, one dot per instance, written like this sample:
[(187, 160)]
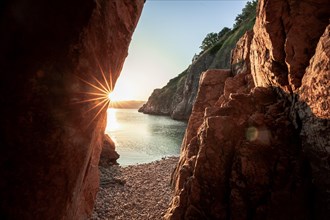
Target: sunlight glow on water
[(142, 138), (112, 123)]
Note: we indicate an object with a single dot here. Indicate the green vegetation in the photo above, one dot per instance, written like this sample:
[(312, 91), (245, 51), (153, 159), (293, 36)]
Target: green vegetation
[(212, 38), (223, 48), (243, 22), (248, 12), (215, 54)]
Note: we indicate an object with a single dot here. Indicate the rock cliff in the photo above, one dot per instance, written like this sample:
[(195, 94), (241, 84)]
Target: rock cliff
[(257, 141), (52, 127), (176, 99)]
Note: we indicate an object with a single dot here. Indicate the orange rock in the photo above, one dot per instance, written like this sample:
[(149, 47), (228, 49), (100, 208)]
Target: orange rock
[(286, 34), (262, 153), (312, 106)]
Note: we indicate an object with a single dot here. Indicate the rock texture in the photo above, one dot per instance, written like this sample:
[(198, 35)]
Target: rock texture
[(285, 40), (136, 192), (50, 141), (177, 98), (313, 113), (240, 56), (109, 156), (263, 152)]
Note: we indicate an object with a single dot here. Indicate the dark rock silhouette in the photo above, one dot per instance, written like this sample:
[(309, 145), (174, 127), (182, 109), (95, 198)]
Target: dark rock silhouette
[(50, 143), (109, 156)]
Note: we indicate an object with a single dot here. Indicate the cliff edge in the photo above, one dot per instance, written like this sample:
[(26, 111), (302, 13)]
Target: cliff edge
[(176, 99)]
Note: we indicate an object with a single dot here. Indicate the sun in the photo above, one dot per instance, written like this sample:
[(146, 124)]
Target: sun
[(113, 97), (110, 96), (99, 94)]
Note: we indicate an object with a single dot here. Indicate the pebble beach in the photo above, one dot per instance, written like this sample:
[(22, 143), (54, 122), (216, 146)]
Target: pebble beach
[(135, 192)]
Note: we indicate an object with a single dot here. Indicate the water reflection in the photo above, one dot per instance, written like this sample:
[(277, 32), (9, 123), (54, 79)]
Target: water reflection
[(143, 138), (112, 123)]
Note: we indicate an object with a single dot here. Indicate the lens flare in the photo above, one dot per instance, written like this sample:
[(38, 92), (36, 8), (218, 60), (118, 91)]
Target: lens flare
[(98, 94), (109, 96), (251, 133), (262, 135)]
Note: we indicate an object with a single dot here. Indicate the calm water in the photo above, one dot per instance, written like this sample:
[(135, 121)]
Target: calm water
[(142, 138)]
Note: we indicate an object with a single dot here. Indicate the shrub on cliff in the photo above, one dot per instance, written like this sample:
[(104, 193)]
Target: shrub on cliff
[(212, 38), (248, 12)]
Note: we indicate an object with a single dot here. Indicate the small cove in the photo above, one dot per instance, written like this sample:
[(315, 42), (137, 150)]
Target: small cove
[(142, 138)]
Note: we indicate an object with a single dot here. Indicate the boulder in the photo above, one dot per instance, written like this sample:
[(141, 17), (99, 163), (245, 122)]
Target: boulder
[(109, 155)]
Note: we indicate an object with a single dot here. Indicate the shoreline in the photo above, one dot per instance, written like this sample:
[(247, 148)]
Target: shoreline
[(147, 161), (140, 191)]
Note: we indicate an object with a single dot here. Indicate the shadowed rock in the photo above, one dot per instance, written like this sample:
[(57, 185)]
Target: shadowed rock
[(109, 156), (51, 136)]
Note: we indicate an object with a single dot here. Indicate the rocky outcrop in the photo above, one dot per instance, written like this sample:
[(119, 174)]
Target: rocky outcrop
[(163, 101), (109, 156), (285, 40), (244, 162), (211, 87), (313, 114), (240, 58), (262, 152), (51, 130), (177, 98)]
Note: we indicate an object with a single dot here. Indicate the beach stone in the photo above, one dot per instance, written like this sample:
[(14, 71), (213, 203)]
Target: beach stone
[(145, 195)]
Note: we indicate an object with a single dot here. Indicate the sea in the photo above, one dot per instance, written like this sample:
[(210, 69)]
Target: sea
[(142, 138)]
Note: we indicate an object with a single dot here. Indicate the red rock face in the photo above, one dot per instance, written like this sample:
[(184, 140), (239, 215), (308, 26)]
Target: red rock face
[(50, 144), (313, 104), (210, 87), (262, 153), (286, 34), (240, 59), (242, 159)]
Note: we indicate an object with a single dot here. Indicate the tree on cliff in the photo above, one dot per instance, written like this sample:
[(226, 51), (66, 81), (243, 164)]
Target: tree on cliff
[(223, 32), (212, 38), (209, 40), (247, 12)]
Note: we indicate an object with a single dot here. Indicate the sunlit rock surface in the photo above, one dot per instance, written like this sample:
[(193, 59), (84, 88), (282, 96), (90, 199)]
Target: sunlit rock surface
[(50, 137), (286, 34), (240, 57), (262, 152)]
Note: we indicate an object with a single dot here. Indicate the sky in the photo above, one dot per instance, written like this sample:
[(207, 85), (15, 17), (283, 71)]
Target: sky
[(167, 36)]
